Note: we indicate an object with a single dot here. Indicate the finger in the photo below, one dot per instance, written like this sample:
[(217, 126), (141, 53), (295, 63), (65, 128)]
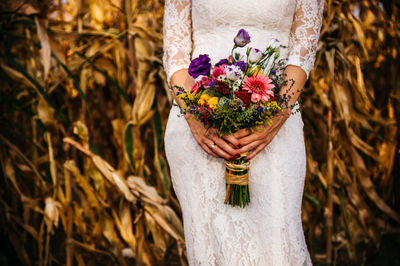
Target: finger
[(234, 141), (251, 146), (256, 151), (241, 133), (260, 133), (222, 153), (222, 144), (207, 149), (202, 143), (252, 138)]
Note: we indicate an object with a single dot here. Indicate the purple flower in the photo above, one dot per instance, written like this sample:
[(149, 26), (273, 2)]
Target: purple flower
[(192, 109), (259, 109), (255, 55), (233, 72), (200, 66), (241, 64), (242, 38), (221, 62)]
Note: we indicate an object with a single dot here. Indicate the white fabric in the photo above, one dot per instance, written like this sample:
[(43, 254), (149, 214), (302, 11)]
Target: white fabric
[(269, 230)]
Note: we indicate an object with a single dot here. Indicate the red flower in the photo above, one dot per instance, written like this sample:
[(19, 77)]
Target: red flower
[(205, 81), (222, 87), (196, 87), (244, 96), (204, 114), (218, 71)]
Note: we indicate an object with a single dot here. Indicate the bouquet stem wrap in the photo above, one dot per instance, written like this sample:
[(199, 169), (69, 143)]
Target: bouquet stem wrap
[(237, 183)]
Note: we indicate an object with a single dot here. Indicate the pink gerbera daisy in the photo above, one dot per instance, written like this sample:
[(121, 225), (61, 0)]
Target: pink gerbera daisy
[(260, 87)]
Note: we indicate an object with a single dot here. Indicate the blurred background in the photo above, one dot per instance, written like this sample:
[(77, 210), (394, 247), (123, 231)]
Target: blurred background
[(84, 104)]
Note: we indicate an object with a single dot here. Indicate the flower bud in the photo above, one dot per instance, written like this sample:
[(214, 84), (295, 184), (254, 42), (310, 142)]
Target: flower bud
[(242, 38), (274, 43), (255, 55)]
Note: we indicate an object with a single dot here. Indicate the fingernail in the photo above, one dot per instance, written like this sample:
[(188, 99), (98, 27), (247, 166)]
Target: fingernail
[(237, 154), (231, 158)]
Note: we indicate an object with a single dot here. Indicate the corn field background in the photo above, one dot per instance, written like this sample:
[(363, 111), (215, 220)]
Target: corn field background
[(84, 104)]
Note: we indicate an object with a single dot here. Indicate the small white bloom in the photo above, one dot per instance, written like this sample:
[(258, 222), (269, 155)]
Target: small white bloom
[(233, 72), (255, 55), (236, 85)]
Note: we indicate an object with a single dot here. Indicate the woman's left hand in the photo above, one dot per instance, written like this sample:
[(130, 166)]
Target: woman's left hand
[(261, 135)]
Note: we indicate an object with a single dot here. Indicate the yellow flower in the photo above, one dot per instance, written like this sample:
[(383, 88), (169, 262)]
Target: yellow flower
[(203, 99), (258, 72), (213, 102), (254, 71)]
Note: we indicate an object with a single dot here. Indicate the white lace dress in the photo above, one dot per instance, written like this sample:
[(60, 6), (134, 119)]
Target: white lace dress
[(268, 231)]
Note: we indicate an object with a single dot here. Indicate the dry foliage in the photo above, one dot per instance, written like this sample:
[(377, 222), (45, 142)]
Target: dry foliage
[(84, 103)]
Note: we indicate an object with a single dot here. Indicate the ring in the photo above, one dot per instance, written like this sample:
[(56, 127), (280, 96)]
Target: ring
[(212, 146)]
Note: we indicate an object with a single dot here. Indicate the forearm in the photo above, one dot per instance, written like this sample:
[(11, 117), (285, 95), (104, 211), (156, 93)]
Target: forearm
[(182, 79), (296, 78)]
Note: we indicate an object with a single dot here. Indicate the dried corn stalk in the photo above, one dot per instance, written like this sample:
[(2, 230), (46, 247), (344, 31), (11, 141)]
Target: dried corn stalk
[(84, 103)]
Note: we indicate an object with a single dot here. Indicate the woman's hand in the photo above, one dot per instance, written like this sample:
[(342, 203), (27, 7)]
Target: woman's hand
[(210, 142), (261, 135)]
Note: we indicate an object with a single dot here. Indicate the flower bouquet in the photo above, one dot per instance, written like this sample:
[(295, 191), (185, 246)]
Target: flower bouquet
[(238, 92)]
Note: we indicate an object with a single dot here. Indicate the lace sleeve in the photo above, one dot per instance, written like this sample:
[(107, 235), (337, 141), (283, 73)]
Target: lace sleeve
[(177, 35), (304, 34)]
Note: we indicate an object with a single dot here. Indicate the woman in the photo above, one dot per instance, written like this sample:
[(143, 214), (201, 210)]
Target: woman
[(269, 230)]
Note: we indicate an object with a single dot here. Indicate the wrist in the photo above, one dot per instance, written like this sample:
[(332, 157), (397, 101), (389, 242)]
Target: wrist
[(287, 112), (188, 117)]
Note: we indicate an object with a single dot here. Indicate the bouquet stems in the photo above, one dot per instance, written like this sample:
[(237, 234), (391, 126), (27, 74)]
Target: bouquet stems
[(237, 182)]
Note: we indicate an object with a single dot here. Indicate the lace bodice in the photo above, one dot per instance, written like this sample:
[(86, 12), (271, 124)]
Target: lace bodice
[(191, 25)]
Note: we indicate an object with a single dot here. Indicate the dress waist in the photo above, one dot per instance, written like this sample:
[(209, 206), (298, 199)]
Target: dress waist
[(219, 44)]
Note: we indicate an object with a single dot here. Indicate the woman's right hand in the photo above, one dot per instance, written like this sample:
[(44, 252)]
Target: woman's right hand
[(210, 141)]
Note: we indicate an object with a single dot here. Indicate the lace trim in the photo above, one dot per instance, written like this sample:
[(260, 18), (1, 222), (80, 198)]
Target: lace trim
[(304, 35), (177, 35)]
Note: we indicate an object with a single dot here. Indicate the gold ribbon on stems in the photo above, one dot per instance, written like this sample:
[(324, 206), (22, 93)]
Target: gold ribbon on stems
[(237, 176), (234, 174)]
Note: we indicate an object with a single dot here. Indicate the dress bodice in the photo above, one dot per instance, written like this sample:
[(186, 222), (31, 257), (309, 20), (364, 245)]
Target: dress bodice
[(193, 27), (215, 24)]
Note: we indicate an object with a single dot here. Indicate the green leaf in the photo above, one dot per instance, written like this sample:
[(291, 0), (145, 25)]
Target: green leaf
[(128, 138), (313, 200)]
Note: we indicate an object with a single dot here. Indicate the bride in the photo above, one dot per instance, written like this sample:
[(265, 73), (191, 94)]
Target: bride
[(269, 230)]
